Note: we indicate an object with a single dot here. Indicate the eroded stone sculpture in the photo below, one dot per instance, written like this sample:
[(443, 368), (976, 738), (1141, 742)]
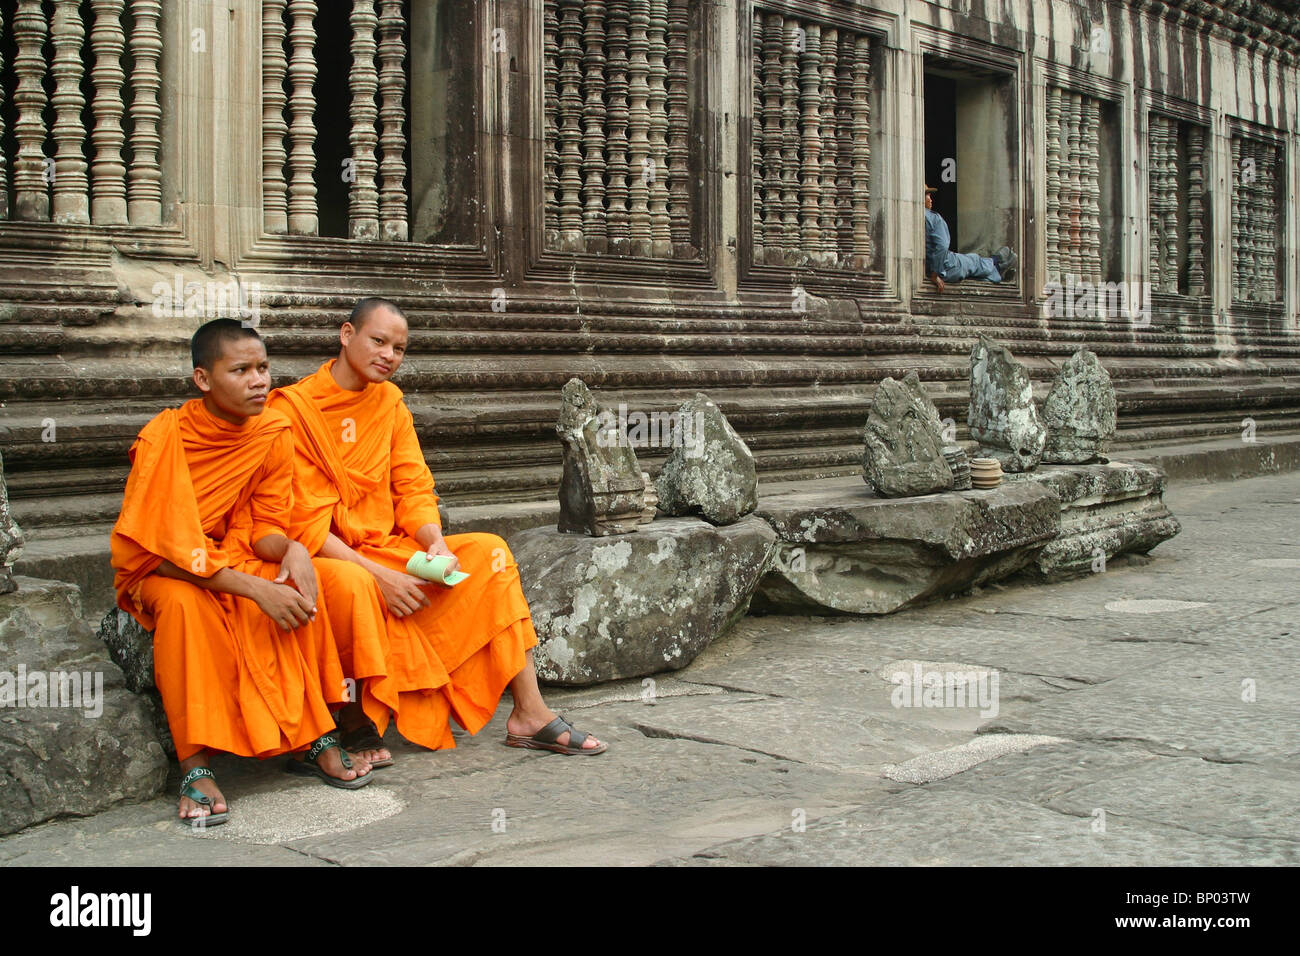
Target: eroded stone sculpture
[(710, 470), (1002, 414), (602, 491), (1080, 411), (11, 538), (903, 442)]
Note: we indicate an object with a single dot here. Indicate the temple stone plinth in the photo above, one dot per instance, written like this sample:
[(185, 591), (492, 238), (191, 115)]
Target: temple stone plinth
[(610, 608)]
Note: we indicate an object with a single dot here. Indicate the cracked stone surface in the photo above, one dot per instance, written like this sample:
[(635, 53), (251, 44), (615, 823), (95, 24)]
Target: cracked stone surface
[(1178, 739)]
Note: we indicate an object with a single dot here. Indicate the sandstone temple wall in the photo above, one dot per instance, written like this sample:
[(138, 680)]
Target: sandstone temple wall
[(658, 196)]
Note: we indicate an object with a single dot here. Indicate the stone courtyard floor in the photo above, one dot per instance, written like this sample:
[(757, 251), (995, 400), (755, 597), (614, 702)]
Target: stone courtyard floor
[(1148, 714)]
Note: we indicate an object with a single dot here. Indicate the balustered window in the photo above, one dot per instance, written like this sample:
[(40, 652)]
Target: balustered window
[(1258, 216), (370, 120), (1176, 205), (1084, 209), (618, 171), (811, 138), (971, 153), (79, 111)]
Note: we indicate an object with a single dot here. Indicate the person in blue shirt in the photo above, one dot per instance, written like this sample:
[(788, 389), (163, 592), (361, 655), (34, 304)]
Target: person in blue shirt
[(942, 265)]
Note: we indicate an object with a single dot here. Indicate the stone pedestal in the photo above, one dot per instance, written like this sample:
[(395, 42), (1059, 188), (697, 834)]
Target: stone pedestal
[(1106, 510), (842, 550), (611, 608)]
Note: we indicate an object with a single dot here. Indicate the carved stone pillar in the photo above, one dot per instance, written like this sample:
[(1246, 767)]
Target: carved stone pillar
[(593, 138), (274, 202), (1196, 284), (363, 196), (303, 220), (393, 224), (31, 186), (71, 201), (679, 201), (144, 178), (107, 171)]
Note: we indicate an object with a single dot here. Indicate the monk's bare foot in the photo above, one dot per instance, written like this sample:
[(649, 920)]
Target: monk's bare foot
[(526, 724), (351, 718), (188, 809)]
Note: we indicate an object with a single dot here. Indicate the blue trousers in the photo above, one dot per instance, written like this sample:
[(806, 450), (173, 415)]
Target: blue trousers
[(967, 265)]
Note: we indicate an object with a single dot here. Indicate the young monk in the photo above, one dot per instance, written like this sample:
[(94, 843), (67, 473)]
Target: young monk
[(244, 658), (363, 493)]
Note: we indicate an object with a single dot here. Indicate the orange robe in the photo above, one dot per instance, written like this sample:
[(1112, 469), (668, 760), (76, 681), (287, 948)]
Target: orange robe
[(201, 490), (359, 473)]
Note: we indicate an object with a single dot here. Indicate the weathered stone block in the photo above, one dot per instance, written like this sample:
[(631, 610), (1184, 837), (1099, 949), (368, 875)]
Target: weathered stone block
[(1080, 411), (68, 744), (1106, 510), (710, 471), (11, 537), (903, 442), (1002, 415), (606, 609), (842, 550)]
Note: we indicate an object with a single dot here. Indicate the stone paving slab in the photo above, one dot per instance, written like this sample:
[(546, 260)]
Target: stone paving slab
[(942, 828), (786, 725)]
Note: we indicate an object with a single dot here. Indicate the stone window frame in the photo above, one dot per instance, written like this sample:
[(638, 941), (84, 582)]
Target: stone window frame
[(289, 254), (540, 263), (1123, 98), (28, 242), (1154, 101), (883, 29), (1269, 312), (934, 42)]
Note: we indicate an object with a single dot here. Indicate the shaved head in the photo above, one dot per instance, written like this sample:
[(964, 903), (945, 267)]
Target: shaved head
[(208, 342), (364, 307)]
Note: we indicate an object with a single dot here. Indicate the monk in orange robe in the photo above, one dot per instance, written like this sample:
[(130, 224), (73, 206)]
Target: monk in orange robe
[(363, 493), (244, 661)]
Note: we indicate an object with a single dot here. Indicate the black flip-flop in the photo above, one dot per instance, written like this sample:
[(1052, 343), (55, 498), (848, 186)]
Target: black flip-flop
[(365, 737), (310, 768), (545, 739)]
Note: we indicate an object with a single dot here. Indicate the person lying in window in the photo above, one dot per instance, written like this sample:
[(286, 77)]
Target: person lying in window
[(942, 265)]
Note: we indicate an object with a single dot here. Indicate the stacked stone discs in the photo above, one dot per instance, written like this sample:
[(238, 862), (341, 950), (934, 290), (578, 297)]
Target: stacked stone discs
[(985, 473), (955, 455)]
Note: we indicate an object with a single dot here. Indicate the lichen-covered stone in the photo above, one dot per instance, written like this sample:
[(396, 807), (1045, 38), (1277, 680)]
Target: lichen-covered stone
[(76, 744), (11, 537), (606, 609), (903, 442), (1002, 415), (1080, 411), (1106, 510), (842, 550), (710, 471), (601, 491)]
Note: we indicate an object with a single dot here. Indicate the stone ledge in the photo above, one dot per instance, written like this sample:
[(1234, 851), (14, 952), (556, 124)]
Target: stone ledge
[(843, 550)]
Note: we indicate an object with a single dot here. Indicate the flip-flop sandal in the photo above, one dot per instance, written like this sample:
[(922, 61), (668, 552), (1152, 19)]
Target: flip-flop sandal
[(365, 737), (202, 799), (310, 768), (545, 739)]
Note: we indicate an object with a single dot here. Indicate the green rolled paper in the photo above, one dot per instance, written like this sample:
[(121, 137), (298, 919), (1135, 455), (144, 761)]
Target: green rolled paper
[(434, 569)]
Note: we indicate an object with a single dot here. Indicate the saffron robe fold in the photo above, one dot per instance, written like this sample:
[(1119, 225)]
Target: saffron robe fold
[(359, 473), (200, 492)]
